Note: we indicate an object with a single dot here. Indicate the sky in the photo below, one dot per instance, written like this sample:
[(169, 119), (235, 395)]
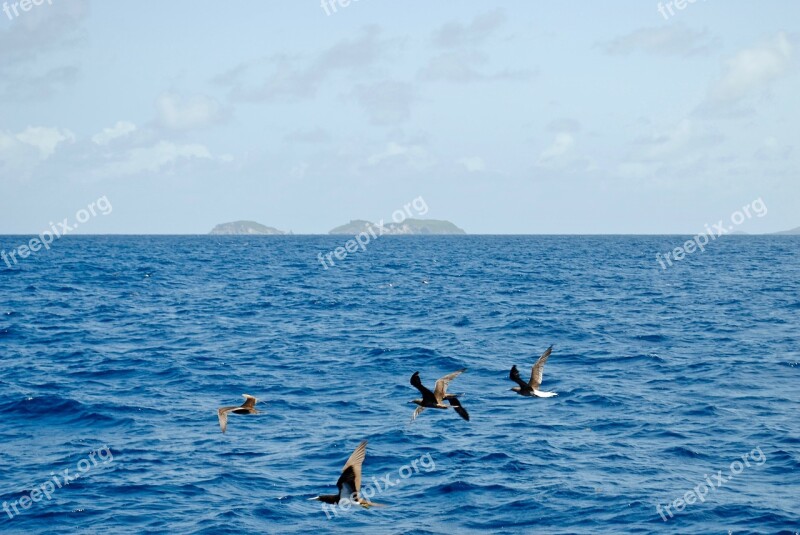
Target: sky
[(506, 117)]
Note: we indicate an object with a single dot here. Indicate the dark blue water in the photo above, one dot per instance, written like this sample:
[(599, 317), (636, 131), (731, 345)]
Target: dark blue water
[(664, 378)]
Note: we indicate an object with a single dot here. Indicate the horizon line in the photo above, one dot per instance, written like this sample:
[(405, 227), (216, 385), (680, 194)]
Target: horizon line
[(290, 235)]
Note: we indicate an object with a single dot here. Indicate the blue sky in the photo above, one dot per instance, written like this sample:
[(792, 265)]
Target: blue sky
[(506, 117)]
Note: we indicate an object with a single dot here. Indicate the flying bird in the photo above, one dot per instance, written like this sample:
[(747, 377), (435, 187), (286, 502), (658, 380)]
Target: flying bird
[(349, 483), (433, 400), (248, 407), (531, 388)]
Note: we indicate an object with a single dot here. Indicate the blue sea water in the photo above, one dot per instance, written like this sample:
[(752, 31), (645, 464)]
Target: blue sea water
[(664, 378)]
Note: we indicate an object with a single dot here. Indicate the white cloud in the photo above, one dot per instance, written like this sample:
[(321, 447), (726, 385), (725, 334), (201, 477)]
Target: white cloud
[(454, 34), (662, 41), (565, 124), (771, 149), (7, 142), (472, 164), (299, 170), (37, 60), (392, 149), (317, 135), (14, 155), (156, 158), (178, 113), (45, 139), (662, 144), (561, 145), (121, 129), (561, 155), (414, 155), (676, 150), (386, 102), (462, 66), (684, 139), (298, 76), (462, 60), (21, 153), (753, 69), (635, 170)]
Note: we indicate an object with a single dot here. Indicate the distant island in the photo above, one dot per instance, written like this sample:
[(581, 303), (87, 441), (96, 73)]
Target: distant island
[(408, 226), (248, 228), (793, 232)]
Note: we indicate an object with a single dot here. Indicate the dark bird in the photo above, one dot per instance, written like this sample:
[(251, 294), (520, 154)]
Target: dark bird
[(248, 407), (433, 400), (349, 483), (531, 388)]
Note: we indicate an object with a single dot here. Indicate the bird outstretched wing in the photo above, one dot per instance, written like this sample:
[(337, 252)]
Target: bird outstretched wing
[(440, 389), (222, 414), (349, 482), (514, 376), (249, 402), (457, 406), (427, 395), (538, 369)]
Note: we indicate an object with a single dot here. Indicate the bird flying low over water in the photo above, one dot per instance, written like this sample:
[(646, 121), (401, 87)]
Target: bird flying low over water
[(531, 388), (349, 483), (248, 407), (433, 400)]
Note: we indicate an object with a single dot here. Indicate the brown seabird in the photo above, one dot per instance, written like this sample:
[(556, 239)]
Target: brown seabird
[(349, 483), (248, 407), (433, 400), (531, 388)]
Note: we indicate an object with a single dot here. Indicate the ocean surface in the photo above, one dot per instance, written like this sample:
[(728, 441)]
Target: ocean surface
[(115, 352)]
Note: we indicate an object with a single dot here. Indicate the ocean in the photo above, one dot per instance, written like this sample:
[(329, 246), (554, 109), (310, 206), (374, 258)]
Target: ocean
[(116, 351)]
